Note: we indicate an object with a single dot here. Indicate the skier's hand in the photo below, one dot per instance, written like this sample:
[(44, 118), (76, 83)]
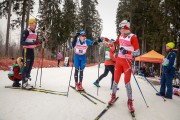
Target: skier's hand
[(123, 51), (37, 43), (101, 39), (111, 40), (78, 33)]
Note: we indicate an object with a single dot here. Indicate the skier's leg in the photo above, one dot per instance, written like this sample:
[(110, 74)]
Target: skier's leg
[(82, 66), (169, 92), (111, 69), (58, 62), (163, 85), (106, 71), (30, 56), (117, 75), (127, 77)]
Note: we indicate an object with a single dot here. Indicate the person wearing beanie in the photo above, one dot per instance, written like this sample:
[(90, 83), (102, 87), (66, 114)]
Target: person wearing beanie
[(128, 48), (29, 40), (15, 72), (168, 71), (109, 64), (80, 45)]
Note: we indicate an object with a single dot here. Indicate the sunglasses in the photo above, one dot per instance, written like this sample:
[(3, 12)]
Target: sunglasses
[(83, 35)]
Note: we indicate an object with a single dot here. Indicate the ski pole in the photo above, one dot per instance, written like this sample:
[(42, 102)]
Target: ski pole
[(24, 60), (37, 70), (149, 82), (43, 45), (98, 68), (70, 74), (136, 81)]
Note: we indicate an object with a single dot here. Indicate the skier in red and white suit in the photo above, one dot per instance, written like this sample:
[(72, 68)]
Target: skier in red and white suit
[(128, 47)]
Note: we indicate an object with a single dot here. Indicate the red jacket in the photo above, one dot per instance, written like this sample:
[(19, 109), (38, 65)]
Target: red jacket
[(113, 59)]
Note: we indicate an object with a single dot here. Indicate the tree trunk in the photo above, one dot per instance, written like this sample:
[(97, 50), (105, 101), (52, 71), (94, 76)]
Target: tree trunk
[(23, 20), (27, 14), (8, 28)]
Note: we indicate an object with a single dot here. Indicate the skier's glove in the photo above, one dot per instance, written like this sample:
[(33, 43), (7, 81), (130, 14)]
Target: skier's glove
[(101, 39), (77, 34), (123, 51), (37, 43), (111, 41)]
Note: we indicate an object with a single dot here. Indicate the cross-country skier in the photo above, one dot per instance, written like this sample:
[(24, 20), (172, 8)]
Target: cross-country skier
[(128, 47), (80, 45), (15, 72), (168, 71), (29, 41), (109, 64)]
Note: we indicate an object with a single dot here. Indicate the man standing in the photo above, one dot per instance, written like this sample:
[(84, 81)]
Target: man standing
[(168, 71), (128, 47), (29, 42)]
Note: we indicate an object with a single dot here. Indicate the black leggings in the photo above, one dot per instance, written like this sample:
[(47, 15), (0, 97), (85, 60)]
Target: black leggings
[(80, 75), (106, 71)]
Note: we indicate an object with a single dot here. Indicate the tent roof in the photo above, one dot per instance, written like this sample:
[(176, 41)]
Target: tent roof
[(151, 56)]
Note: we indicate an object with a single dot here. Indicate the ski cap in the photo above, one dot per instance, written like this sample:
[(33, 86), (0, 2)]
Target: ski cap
[(32, 20), (125, 24), (170, 45), (82, 32)]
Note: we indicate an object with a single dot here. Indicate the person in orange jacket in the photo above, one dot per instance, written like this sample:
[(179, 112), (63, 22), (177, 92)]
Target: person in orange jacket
[(15, 72), (109, 64)]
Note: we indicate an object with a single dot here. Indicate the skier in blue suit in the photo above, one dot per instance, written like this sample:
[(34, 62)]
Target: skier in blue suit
[(80, 45)]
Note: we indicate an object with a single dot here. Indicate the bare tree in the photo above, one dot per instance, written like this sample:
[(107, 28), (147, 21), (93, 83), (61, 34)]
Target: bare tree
[(8, 27)]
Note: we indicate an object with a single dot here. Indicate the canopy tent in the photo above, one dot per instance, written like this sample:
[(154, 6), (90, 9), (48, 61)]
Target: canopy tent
[(152, 57)]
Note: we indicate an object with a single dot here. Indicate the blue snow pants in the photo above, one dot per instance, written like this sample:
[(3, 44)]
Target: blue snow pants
[(79, 61)]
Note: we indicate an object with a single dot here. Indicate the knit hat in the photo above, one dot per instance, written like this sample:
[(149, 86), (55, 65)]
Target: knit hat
[(82, 32), (170, 45), (125, 24), (32, 20)]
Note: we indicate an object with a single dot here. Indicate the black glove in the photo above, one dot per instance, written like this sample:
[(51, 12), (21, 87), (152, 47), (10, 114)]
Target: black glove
[(100, 39), (123, 51), (77, 34)]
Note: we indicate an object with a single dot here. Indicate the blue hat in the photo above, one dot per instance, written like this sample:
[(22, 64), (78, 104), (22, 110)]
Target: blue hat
[(82, 32)]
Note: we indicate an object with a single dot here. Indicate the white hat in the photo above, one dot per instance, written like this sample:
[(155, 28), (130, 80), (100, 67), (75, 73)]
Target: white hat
[(124, 24)]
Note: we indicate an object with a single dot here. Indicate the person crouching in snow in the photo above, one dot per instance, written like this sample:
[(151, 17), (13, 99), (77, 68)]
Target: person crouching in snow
[(80, 45), (15, 72), (168, 71), (109, 64)]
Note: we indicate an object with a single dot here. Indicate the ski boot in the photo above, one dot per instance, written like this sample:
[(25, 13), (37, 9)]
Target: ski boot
[(77, 86), (16, 84), (27, 86), (96, 84), (80, 86), (130, 105), (113, 98)]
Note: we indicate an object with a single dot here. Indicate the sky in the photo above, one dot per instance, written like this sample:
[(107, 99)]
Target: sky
[(106, 8)]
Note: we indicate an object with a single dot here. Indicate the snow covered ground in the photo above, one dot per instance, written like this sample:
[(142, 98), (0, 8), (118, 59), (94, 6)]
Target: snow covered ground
[(29, 105)]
